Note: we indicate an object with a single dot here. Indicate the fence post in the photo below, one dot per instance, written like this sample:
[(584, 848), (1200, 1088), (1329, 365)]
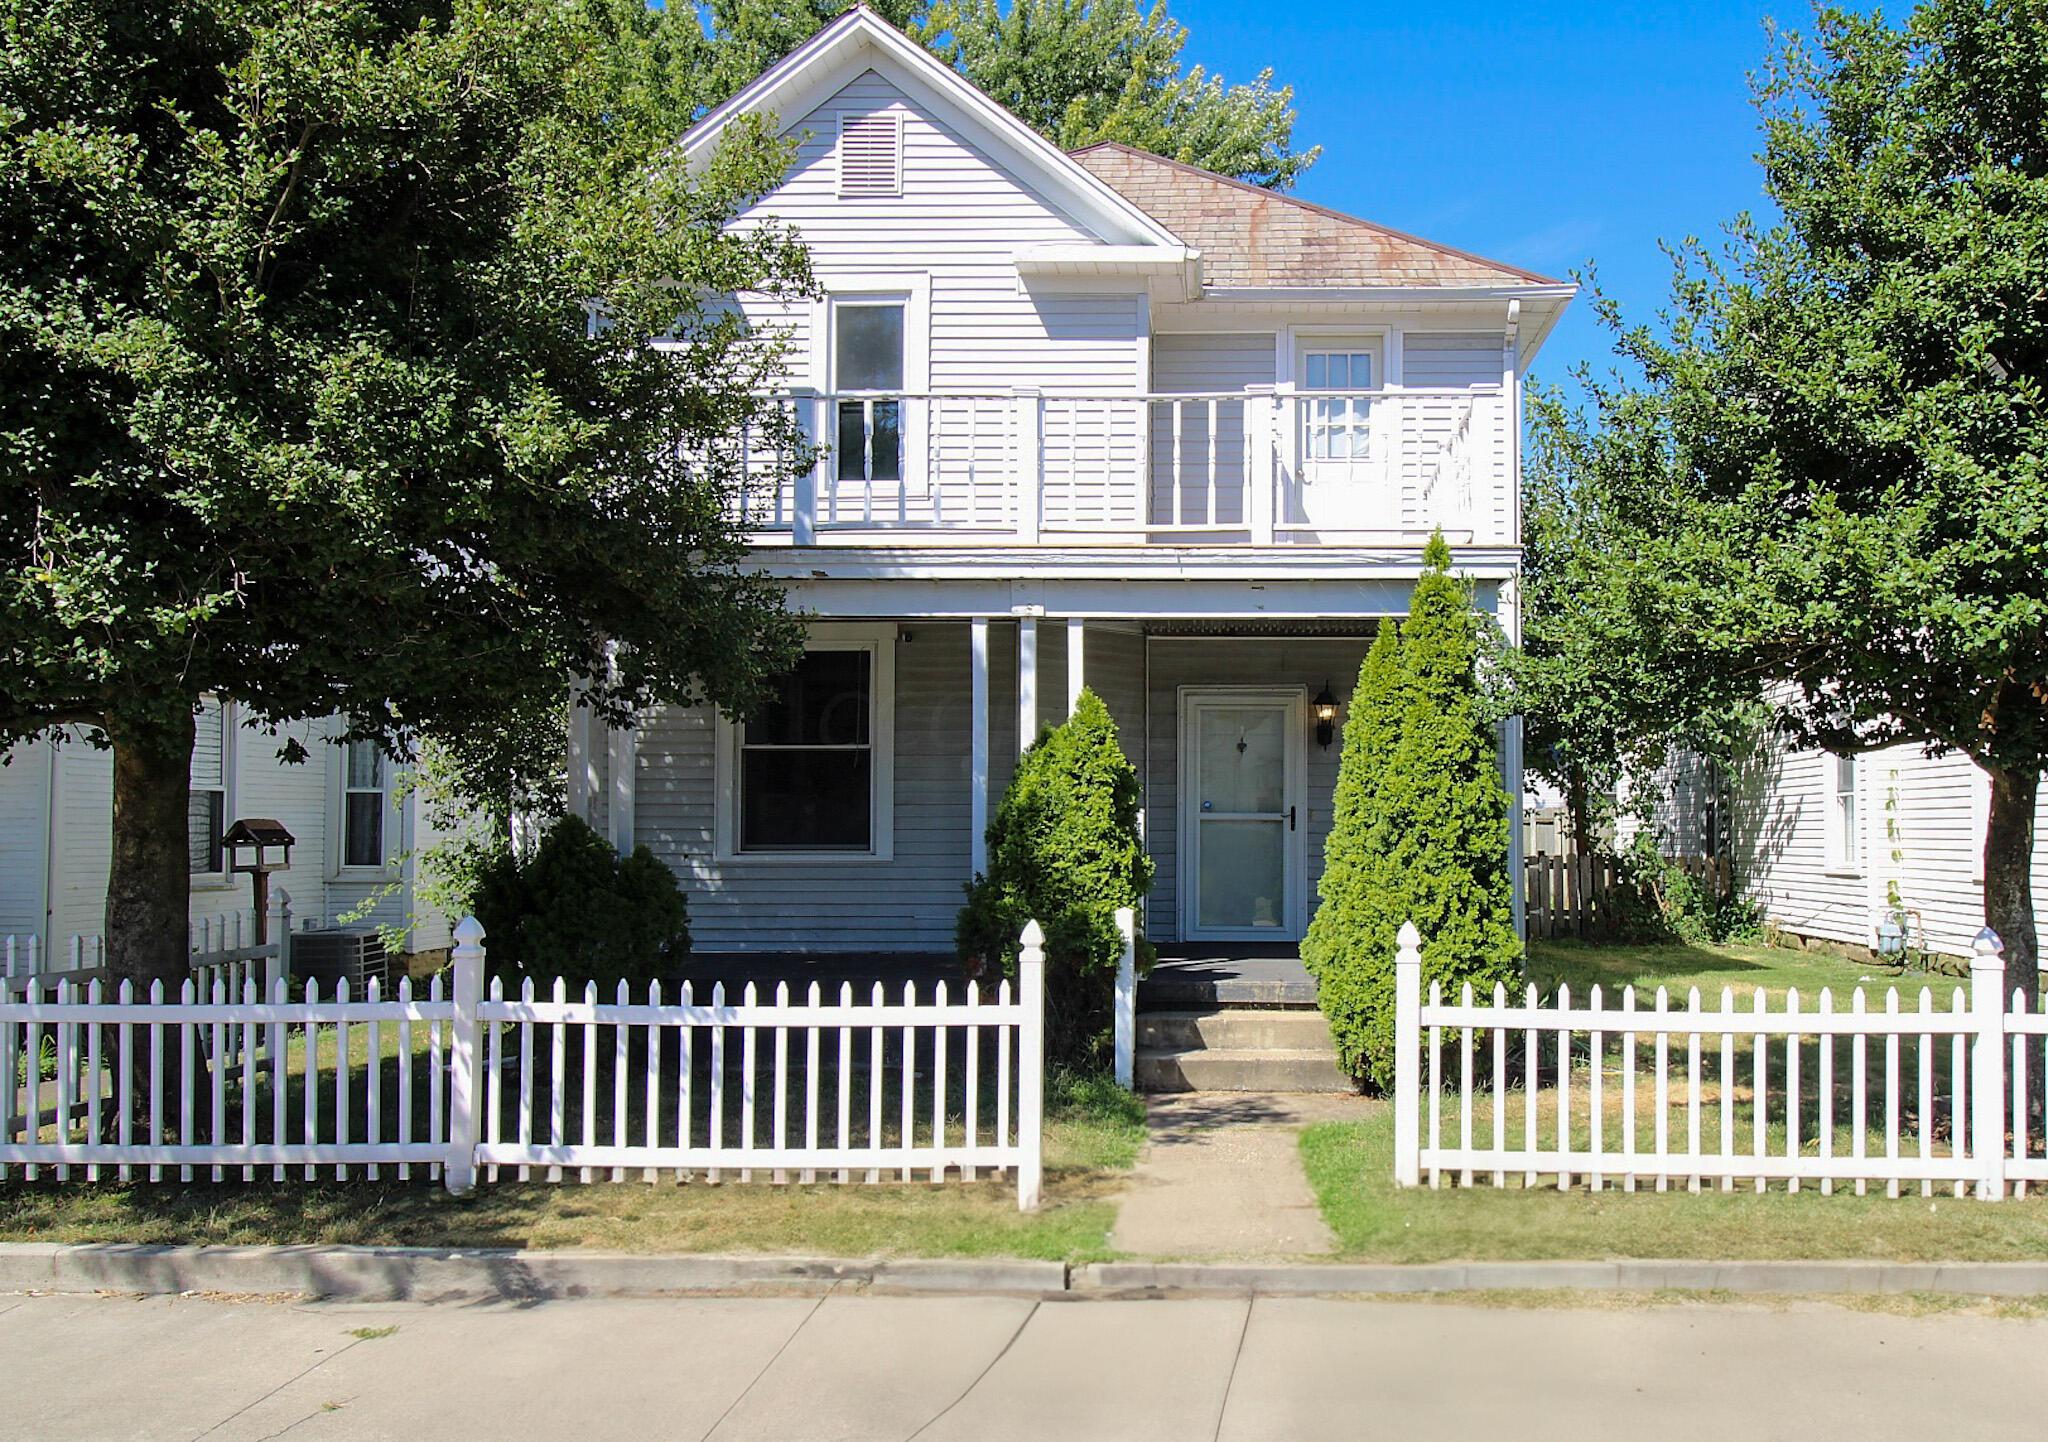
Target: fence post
[(459, 1170), (1031, 1067), (1126, 997), (281, 937), (1988, 1001), (1407, 1058)]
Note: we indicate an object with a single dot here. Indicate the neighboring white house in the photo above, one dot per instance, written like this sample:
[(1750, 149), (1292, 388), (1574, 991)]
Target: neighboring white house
[(1096, 418), (1830, 847), (357, 831)]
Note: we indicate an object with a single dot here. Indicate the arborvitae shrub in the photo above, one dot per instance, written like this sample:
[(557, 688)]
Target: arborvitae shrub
[(1421, 830), (1064, 850), (578, 910)]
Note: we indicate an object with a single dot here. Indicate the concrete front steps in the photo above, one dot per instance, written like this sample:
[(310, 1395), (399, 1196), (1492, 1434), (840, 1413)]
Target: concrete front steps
[(1237, 1049)]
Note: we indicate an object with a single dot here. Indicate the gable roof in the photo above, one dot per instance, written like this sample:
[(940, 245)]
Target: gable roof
[(861, 40), (1253, 238)]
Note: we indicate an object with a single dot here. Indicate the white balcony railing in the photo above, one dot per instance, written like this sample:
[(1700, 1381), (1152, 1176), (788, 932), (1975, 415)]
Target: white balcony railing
[(1264, 466)]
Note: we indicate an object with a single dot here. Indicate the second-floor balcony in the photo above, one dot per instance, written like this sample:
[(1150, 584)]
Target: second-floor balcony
[(1263, 466)]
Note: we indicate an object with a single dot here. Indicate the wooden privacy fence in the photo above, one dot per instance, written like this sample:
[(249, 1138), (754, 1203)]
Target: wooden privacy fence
[(1586, 895), (288, 1082), (1759, 1093)]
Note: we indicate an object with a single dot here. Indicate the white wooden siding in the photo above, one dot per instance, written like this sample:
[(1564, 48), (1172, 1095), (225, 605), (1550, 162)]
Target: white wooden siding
[(1921, 819)]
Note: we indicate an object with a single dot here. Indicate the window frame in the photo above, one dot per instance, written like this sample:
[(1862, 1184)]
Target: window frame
[(230, 724), (392, 813), (1843, 782), (912, 289), (879, 642)]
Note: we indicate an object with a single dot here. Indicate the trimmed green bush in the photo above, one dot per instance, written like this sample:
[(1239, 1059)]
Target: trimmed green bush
[(1063, 849), (578, 910), (1420, 831)]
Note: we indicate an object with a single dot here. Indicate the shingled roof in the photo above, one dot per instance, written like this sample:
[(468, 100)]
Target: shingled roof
[(1253, 237)]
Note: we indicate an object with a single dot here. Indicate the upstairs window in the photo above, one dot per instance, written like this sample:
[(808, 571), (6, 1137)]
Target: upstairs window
[(364, 796), (807, 761), (1845, 831), (870, 155), (867, 372), (1339, 427), (206, 811)]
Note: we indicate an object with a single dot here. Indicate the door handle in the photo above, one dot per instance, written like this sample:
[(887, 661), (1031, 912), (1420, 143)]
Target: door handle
[(1290, 818)]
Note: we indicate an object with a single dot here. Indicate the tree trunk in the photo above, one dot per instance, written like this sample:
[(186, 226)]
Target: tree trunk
[(149, 882), (2008, 875)]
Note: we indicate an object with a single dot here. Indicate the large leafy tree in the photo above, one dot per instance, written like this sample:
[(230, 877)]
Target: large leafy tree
[(300, 404), (1077, 71), (1829, 488)]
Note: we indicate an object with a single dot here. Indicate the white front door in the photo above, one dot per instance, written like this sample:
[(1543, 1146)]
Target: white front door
[(1242, 833)]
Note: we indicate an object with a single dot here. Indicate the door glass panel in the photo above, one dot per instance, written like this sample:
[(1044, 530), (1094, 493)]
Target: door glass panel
[(1243, 874), (1243, 759)]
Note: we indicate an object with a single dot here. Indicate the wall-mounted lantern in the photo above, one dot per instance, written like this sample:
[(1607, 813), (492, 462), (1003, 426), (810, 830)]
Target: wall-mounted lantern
[(269, 848), (1326, 716)]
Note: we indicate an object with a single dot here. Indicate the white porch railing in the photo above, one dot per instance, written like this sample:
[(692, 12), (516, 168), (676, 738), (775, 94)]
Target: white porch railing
[(1665, 1094), (1267, 465), (463, 1084)]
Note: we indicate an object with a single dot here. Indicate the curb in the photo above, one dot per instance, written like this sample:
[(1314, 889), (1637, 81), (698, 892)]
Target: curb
[(2001, 1279), (426, 1274)]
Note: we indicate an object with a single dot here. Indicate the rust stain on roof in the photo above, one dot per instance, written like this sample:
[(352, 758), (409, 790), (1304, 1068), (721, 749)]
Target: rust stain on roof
[(1253, 237)]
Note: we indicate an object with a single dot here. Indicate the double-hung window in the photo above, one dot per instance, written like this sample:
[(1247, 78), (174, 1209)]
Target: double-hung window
[(807, 760), (365, 797), (206, 812), (1845, 832), (1339, 424), (867, 370)]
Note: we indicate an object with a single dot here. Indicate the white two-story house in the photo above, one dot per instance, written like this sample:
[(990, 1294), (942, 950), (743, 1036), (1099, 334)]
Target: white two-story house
[(1093, 418)]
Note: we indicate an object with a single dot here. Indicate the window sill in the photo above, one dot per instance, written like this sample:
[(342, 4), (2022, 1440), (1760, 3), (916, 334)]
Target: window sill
[(213, 881), (802, 858), (363, 875), (1843, 873)]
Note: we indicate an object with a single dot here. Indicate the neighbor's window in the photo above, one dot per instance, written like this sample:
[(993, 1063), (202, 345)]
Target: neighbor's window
[(362, 804), (206, 812), (1845, 837), (807, 762), (1339, 426), (867, 371)]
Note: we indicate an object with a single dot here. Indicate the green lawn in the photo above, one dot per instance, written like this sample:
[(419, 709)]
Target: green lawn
[(1092, 1134), (1351, 1168), (1679, 966)]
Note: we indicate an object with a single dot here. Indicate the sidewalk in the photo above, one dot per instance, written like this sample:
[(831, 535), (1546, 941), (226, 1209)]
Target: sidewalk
[(988, 1369), (1221, 1176)]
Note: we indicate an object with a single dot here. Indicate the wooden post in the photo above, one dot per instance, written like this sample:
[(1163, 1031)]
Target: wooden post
[(1030, 463), (458, 1171), (803, 512), (1027, 683), (281, 933), (1031, 1068), (1127, 998), (1077, 643), (1264, 414), (977, 771), (1407, 1058), (1988, 1001)]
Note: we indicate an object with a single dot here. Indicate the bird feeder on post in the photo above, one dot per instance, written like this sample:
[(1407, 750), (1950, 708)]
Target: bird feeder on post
[(269, 848)]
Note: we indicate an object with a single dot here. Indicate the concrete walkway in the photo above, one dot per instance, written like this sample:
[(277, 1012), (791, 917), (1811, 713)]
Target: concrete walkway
[(994, 1368), (1221, 1176)]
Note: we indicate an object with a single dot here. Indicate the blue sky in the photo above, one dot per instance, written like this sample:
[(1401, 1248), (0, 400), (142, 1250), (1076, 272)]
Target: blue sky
[(1544, 136)]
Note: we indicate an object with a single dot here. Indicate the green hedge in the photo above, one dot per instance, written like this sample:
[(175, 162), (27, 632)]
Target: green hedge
[(1063, 849), (1420, 831), (579, 910)]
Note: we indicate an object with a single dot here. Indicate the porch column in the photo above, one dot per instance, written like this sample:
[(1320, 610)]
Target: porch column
[(1027, 682), (580, 763), (1076, 674), (1509, 606), (622, 758), (977, 766)]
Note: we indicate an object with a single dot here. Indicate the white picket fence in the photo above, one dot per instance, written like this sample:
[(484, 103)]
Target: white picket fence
[(465, 1085), (1912, 1093)]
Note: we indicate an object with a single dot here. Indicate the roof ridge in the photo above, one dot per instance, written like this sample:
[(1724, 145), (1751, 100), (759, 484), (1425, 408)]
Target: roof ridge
[(1533, 277)]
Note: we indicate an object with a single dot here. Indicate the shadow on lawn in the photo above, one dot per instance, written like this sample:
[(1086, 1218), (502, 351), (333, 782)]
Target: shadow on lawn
[(1582, 963)]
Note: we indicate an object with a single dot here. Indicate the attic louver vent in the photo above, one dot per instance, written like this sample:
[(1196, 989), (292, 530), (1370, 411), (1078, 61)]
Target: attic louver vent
[(871, 155)]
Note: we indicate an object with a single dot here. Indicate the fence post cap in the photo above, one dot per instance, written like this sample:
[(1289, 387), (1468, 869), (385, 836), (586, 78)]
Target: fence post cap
[(1409, 938), (280, 897), (468, 931), (1034, 934)]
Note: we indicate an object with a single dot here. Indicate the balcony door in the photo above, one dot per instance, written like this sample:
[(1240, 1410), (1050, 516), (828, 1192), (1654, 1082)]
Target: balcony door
[(1343, 480), (1243, 832)]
